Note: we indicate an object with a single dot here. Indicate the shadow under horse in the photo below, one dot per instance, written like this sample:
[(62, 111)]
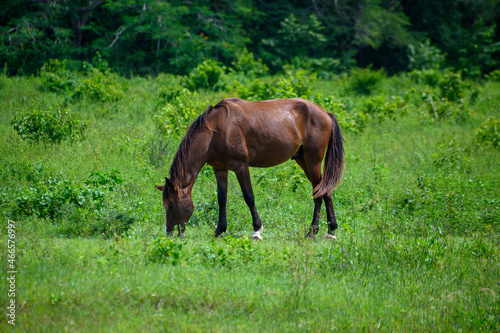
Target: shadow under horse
[(237, 134)]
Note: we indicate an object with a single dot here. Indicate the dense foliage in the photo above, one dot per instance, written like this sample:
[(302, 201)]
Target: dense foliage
[(152, 36)]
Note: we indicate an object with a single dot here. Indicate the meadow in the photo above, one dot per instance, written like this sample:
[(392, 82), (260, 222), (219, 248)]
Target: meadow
[(418, 244)]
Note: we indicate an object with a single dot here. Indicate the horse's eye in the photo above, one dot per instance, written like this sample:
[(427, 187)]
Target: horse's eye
[(171, 206)]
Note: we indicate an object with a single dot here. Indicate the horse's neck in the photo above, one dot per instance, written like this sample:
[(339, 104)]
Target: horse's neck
[(195, 159)]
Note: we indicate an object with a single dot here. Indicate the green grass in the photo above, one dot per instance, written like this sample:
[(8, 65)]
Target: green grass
[(418, 240)]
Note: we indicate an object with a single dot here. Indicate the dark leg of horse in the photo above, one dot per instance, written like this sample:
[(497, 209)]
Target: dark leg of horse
[(330, 215), (314, 178), (313, 230), (243, 176), (221, 176)]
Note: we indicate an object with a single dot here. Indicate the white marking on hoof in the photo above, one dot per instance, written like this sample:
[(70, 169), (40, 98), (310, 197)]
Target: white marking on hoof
[(256, 235), (330, 236)]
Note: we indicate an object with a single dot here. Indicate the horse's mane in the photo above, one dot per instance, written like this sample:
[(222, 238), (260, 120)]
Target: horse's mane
[(178, 168)]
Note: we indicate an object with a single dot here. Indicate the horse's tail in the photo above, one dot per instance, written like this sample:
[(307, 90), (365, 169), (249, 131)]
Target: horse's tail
[(334, 162)]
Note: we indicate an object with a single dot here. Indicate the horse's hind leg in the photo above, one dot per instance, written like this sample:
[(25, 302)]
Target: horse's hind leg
[(330, 215), (221, 176), (243, 175), (313, 173)]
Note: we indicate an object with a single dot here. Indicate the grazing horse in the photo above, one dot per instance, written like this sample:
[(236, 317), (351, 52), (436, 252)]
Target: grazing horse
[(237, 134)]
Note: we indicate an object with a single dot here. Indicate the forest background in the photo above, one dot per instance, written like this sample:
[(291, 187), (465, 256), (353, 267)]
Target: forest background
[(151, 37)]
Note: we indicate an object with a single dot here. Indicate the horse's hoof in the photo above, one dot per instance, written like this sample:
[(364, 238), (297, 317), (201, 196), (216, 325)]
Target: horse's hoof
[(330, 236), (256, 235)]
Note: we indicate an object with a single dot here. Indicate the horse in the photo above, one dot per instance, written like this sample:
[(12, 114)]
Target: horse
[(237, 134)]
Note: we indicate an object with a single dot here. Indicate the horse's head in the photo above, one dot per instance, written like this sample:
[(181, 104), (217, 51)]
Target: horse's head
[(178, 206)]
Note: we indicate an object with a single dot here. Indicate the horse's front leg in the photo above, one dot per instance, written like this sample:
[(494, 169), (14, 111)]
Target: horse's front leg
[(221, 176), (243, 175)]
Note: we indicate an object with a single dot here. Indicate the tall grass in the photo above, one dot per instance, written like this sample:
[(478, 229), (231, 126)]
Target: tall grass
[(418, 210)]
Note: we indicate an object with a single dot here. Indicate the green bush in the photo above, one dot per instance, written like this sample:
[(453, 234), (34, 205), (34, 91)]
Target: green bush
[(439, 109), (424, 56), (298, 82), (295, 83), (363, 80), (488, 133), (451, 86), (246, 64), (324, 67), (51, 126), (178, 113), (206, 75), (57, 78), (99, 87), (76, 208), (382, 108), (258, 90), (172, 122), (494, 76), (429, 77), (348, 121)]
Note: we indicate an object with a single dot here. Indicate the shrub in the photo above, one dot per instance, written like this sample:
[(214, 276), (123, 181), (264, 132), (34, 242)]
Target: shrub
[(429, 77), (451, 86), (441, 108), (205, 76), (176, 115), (47, 194), (494, 76), (57, 78), (77, 208), (172, 121), (382, 108), (98, 87), (258, 90), (363, 80), (324, 67), (488, 133), (51, 126), (424, 56), (246, 63), (348, 121), (296, 83)]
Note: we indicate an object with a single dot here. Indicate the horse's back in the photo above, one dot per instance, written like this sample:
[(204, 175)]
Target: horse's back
[(267, 133)]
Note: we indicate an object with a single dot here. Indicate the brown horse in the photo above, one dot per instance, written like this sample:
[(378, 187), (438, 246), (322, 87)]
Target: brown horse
[(237, 134)]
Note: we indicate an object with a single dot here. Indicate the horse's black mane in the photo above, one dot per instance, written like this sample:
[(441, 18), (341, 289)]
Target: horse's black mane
[(178, 168)]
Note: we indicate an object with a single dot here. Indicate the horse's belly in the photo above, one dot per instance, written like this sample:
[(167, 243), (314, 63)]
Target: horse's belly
[(267, 154)]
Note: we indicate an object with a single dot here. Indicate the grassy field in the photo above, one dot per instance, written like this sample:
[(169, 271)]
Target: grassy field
[(418, 245)]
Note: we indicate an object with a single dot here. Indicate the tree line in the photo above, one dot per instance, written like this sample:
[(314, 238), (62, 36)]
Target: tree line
[(153, 36)]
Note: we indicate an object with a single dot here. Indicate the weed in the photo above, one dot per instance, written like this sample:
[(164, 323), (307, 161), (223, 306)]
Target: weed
[(488, 133), (165, 250), (52, 126)]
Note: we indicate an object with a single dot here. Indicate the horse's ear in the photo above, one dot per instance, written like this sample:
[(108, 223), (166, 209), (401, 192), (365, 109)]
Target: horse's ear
[(170, 184), (160, 187)]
